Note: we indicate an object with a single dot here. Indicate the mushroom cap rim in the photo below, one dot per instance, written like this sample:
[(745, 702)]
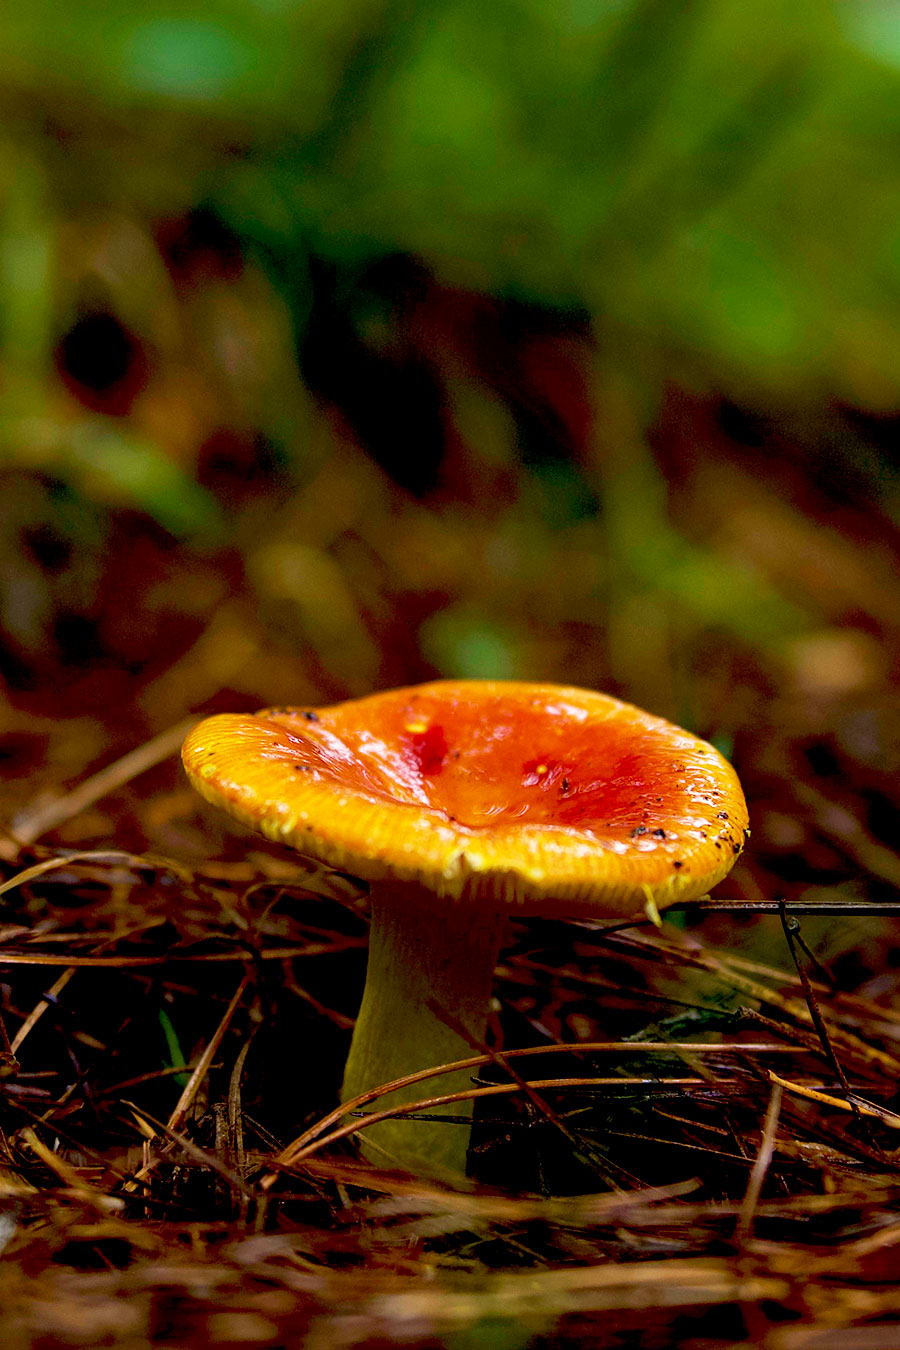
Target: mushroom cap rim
[(554, 870)]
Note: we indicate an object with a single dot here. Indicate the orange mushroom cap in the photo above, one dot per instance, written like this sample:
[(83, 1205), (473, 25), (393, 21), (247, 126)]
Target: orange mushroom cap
[(541, 797)]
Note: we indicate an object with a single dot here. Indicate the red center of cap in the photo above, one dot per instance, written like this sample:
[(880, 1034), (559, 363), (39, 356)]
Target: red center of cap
[(506, 760)]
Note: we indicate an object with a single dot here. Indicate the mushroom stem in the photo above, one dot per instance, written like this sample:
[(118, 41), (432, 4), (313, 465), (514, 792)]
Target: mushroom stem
[(426, 954)]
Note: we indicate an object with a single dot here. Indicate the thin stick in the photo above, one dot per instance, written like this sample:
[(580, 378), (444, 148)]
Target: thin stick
[(763, 1161), (414, 1109), (39, 1009), (791, 925), (183, 1105), (70, 1177), (235, 1115), (37, 820), (849, 908), (116, 1089), (54, 865), (195, 1153), (129, 962), (856, 1105), (477, 1061), (426, 1104), (794, 1007), (543, 1107)]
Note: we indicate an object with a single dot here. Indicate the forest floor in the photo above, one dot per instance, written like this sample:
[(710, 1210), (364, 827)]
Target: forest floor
[(177, 994)]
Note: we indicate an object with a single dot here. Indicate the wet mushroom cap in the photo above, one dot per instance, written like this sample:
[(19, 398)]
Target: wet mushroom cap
[(541, 797)]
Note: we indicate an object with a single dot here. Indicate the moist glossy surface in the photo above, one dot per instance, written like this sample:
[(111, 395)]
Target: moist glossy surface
[(529, 787), (505, 759)]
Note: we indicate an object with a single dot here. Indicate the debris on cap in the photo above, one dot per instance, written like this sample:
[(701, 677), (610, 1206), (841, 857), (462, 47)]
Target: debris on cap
[(548, 799)]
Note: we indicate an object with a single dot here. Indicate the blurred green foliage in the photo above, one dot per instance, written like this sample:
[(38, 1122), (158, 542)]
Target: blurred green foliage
[(720, 179), (715, 185)]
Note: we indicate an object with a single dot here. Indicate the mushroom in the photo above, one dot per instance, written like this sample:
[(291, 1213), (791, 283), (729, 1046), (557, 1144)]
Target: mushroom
[(462, 803)]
